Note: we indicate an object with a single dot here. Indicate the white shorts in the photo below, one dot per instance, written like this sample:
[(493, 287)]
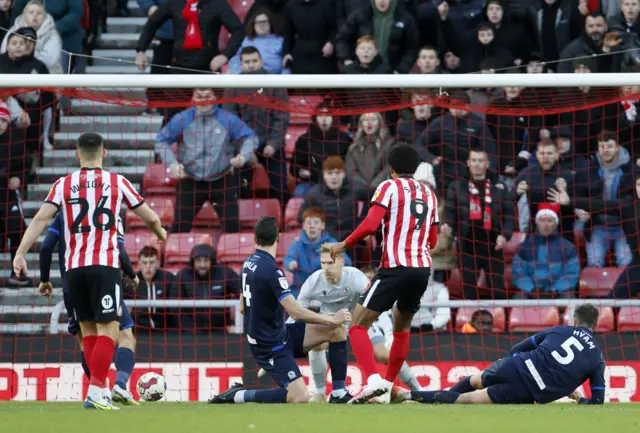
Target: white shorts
[(380, 328)]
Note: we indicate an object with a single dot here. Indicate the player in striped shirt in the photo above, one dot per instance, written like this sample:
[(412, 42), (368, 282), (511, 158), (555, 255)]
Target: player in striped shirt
[(90, 200), (408, 211), (125, 355)]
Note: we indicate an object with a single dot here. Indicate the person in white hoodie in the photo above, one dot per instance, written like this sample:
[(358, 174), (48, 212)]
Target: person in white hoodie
[(48, 47)]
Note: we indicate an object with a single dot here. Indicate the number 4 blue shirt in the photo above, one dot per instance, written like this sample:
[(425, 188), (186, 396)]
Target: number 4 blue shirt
[(558, 360)]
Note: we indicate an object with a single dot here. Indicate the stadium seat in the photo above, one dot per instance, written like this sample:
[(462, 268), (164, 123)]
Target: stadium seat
[(291, 213), (598, 282), (629, 319), (286, 239), (533, 319), (179, 246), (240, 7), (605, 321), (235, 247), (304, 102), (251, 210), (206, 216), (162, 205), (456, 288), (135, 241), (579, 241), (291, 137), (157, 180), (260, 179), (465, 314)]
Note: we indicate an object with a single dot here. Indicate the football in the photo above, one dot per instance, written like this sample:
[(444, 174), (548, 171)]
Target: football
[(151, 386)]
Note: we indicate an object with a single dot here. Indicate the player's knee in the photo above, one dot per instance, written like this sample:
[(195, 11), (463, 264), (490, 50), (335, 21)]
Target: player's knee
[(127, 340), (476, 381), (298, 397), (337, 334)]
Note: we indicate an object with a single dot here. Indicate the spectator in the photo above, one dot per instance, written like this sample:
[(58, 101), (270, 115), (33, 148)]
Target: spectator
[(155, 284), (409, 129), (337, 197), (429, 318), (162, 51), (479, 212), (481, 322), (13, 167), (270, 126), (303, 257), (452, 62), (392, 27), (261, 34), (546, 264), (310, 37), (575, 163), (609, 178), (205, 159), (196, 27), (368, 61), (205, 279), (626, 24), (274, 7), (48, 47), (508, 34), (5, 17), (428, 61), (67, 15), (323, 139), (367, 156)]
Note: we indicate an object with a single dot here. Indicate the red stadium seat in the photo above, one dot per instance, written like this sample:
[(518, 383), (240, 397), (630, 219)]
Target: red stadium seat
[(579, 241), (235, 247), (135, 241), (291, 213), (206, 216), (605, 321), (291, 137), (251, 210), (260, 179), (533, 319), (629, 319), (162, 205), (286, 239), (598, 282), (240, 7), (454, 284), (465, 314), (157, 180), (304, 102), (179, 246)]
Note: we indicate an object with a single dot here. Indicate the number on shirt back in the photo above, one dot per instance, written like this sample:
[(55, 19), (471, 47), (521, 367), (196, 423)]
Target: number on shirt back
[(419, 211), (100, 210), (246, 290), (570, 355)]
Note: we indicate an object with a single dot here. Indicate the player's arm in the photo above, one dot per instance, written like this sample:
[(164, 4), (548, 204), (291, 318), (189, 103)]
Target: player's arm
[(368, 226), (301, 314), (46, 249), (529, 344), (136, 203), (125, 260), (598, 386), (38, 223)]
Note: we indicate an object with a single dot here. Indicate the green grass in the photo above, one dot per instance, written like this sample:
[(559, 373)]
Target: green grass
[(199, 417)]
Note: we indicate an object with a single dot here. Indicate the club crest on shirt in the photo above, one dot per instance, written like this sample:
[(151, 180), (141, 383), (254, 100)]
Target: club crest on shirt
[(346, 289), (375, 195)]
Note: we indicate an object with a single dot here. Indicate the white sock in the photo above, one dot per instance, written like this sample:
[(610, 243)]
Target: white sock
[(95, 393), (408, 378), (318, 362), (106, 394), (339, 392), (239, 397)]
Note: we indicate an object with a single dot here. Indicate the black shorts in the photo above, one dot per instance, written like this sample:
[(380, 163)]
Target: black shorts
[(503, 383), (404, 285), (95, 292), (280, 361)]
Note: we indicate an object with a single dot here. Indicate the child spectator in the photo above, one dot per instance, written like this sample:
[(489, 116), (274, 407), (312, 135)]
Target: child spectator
[(481, 321), (303, 257)]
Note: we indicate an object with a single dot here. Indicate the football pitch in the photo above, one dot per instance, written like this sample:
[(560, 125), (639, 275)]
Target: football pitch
[(199, 417)]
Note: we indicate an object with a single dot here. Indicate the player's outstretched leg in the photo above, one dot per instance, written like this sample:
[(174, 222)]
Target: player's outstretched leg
[(125, 361), (467, 384), (319, 366), (295, 392), (441, 397)]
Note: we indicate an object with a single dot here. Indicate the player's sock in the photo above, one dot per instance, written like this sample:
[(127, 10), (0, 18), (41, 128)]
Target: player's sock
[(408, 378), (435, 397), (88, 343), (363, 349), (463, 386), (101, 360), (125, 360), (85, 366), (273, 395), (397, 355), (338, 364), (318, 362)]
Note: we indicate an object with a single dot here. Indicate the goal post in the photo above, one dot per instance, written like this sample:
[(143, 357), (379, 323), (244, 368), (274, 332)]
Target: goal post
[(189, 328)]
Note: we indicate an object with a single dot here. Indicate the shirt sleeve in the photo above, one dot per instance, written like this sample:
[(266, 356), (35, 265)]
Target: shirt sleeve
[(55, 196), (530, 343), (306, 291), (279, 285), (47, 247), (382, 195), (129, 194)]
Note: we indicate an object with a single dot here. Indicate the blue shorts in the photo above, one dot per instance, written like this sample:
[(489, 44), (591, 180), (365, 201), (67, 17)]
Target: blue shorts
[(126, 321), (280, 361), (503, 383)]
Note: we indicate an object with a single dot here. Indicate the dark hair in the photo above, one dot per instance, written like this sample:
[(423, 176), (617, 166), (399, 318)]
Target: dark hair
[(546, 142), (404, 159), (266, 231), (586, 315), (477, 148), (608, 135), (90, 143), (596, 14), (428, 48), (148, 251), (484, 27), (249, 50), (476, 314), (250, 27)]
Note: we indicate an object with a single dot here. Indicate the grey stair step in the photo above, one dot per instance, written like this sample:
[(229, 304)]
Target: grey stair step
[(39, 191), (132, 93), (113, 57), (118, 40), (51, 174), (34, 300), (34, 272), (113, 140), (107, 124), (83, 106), (118, 69), (10, 292), (125, 25), (116, 157), (135, 9)]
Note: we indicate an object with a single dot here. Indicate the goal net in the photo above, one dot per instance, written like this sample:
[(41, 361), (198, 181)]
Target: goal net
[(498, 151)]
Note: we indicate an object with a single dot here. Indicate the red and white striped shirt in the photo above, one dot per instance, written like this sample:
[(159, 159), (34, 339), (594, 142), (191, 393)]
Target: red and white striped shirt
[(412, 208), (90, 200)]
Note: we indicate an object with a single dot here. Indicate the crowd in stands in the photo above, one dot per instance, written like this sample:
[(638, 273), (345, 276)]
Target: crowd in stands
[(528, 202)]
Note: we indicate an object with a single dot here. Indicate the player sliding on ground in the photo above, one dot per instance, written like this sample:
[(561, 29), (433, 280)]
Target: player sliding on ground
[(125, 356), (408, 211), (275, 345), (90, 200), (541, 369)]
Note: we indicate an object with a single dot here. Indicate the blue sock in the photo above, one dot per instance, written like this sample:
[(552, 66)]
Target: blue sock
[(85, 367), (338, 364), (463, 386), (273, 395), (435, 397), (125, 360)]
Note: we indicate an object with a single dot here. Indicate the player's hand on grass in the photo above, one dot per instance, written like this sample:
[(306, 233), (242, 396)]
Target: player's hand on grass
[(342, 316), (576, 396), (46, 289), (19, 265)]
